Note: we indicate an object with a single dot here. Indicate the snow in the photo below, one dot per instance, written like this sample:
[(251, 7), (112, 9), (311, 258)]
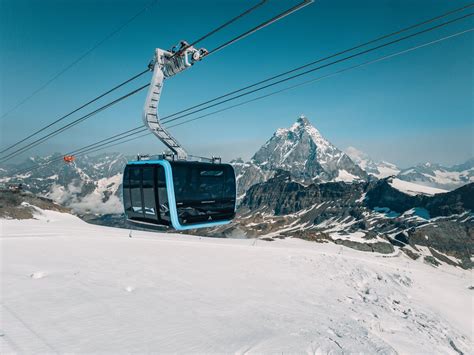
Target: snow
[(354, 237), (345, 176), (386, 169), (71, 287), (414, 189), (362, 197), (418, 213), (407, 172), (23, 176)]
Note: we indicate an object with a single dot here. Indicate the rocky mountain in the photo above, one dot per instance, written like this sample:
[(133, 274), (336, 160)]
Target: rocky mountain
[(379, 169), (368, 216), (91, 184), (427, 174), (248, 174), (22, 205), (436, 175), (304, 152)]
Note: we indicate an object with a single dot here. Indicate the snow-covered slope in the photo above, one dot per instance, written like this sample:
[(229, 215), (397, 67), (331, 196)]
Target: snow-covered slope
[(70, 287), (380, 169), (414, 189)]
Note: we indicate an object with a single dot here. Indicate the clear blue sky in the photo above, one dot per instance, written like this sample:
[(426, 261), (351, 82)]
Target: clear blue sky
[(409, 109)]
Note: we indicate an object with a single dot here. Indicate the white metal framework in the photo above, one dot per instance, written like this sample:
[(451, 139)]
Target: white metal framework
[(164, 65)]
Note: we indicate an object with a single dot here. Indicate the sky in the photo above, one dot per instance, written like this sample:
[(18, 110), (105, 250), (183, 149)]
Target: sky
[(409, 109)]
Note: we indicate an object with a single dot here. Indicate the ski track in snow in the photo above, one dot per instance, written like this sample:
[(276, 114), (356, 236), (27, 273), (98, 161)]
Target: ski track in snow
[(82, 288)]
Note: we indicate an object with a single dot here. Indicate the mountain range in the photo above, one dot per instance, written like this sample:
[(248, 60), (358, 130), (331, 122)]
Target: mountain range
[(426, 174), (299, 184), (309, 157), (436, 175), (91, 184)]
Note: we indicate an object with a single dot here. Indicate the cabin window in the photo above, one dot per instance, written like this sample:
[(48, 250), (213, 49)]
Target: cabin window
[(149, 207), (203, 183), (204, 192), (135, 193), (126, 190)]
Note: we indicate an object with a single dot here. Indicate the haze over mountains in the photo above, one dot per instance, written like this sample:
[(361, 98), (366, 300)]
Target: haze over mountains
[(380, 169)]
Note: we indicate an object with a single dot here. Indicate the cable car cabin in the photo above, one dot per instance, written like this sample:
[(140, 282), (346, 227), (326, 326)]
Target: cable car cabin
[(180, 194)]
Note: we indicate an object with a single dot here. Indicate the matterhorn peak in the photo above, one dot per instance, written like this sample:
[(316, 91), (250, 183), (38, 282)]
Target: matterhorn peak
[(302, 123), (303, 120), (302, 150)]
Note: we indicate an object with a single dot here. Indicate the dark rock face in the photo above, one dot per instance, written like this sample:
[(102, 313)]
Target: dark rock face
[(377, 247), (18, 205), (402, 237), (453, 202), (448, 237), (284, 196), (382, 194), (248, 174), (276, 195), (335, 211), (431, 260)]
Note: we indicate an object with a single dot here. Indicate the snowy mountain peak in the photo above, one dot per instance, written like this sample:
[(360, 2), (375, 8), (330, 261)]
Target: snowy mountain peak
[(301, 125), (303, 120), (301, 130), (302, 150)]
